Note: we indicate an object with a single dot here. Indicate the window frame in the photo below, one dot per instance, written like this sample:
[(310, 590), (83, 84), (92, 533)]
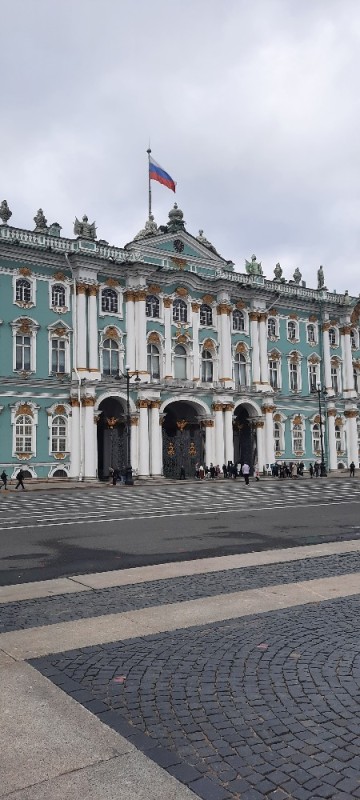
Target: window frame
[(207, 312), (119, 293), (149, 299), (30, 280), (335, 337), (182, 306), (298, 428), (109, 351), (31, 412), (240, 360), (311, 341), (64, 436), (207, 364), (273, 320), (149, 356), (25, 327), (239, 314), (176, 359), (295, 325)]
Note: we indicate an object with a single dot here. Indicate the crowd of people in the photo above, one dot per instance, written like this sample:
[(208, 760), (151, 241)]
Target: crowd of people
[(281, 469)]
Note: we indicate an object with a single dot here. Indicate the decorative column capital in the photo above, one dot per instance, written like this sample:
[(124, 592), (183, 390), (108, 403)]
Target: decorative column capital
[(268, 408), (81, 288), (167, 302), (195, 307), (351, 413), (88, 402), (254, 316), (262, 317), (217, 406), (207, 423), (259, 423), (345, 330), (134, 420), (92, 290), (143, 403), (228, 407), (140, 295), (155, 403), (223, 308), (331, 412), (74, 402), (325, 326), (129, 296)]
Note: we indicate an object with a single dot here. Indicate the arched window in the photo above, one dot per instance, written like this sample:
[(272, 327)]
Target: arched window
[(297, 436), (152, 306), (153, 361), (205, 315), (180, 362), (24, 434), (311, 334), (58, 435), (316, 439), (109, 301), (179, 310), (294, 376), (335, 381), (207, 369), (57, 296), (277, 437), (110, 357), (240, 370), (23, 291), (291, 330), (238, 320), (332, 336), (314, 376), (58, 355), (338, 438), (23, 352), (271, 327), (274, 373)]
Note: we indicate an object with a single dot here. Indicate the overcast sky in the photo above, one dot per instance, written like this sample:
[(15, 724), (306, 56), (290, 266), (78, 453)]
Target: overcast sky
[(252, 106)]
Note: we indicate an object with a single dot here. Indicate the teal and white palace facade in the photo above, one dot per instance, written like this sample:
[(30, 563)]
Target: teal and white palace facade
[(223, 364)]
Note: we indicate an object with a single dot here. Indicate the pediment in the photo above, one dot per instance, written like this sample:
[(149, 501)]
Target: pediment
[(179, 245)]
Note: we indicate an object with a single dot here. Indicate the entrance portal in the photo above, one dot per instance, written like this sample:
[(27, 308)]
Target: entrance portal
[(111, 437), (183, 440), (244, 438)]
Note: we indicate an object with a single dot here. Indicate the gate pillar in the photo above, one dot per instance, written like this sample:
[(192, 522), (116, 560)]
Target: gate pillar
[(155, 439), (144, 450)]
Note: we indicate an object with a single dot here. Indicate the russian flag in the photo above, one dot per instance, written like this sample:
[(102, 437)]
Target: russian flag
[(157, 173)]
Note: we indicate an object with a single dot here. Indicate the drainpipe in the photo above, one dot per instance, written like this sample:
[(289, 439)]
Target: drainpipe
[(81, 459)]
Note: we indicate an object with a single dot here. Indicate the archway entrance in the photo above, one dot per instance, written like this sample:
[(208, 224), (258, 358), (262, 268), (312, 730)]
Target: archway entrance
[(183, 440), (244, 437), (111, 435)]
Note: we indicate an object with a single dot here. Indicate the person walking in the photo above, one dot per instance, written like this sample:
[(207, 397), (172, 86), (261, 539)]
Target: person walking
[(316, 469), (352, 470), (4, 479), (182, 473), (293, 471), (246, 472), (20, 480), (311, 470)]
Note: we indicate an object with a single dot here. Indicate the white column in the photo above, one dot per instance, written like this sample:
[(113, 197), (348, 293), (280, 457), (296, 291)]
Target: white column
[(255, 355), (269, 433), (81, 326), (167, 332), (331, 414), (348, 372), (140, 328), (130, 330), (134, 445), (219, 434), (89, 438), (93, 329), (351, 436), (155, 448), (229, 435), (195, 327), (327, 357), (260, 444), (209, 441), (264, 371), (75, 440), (143, 437), (225, 364)]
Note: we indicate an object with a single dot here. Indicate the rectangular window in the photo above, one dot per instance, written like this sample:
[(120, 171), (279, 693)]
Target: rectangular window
[(23, 353), (312, 377), (335, 379), (58, 355), (274, 375), (294, 378)]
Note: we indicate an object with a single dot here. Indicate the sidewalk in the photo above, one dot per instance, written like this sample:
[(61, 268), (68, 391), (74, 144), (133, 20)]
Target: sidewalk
[(142, 701)]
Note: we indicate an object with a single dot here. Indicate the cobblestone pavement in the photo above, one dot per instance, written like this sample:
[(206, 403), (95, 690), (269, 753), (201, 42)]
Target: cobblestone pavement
[(266, 706), (81, 605)]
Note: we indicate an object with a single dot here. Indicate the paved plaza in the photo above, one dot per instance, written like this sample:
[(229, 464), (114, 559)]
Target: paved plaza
[(235, 677)]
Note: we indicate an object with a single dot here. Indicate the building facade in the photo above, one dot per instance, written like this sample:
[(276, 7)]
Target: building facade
[(223, 365)]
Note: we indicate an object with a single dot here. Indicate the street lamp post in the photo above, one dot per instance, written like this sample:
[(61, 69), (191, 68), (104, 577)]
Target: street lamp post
[(323, 473), (129, 481)]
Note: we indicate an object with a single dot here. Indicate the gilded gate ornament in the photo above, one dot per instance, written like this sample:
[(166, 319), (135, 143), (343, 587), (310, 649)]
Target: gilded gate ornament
[(192, 449), (181, 424), (171, 449)]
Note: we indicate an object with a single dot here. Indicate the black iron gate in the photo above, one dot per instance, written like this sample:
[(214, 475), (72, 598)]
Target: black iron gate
[(112, 447), (244, 442), (183, 447)]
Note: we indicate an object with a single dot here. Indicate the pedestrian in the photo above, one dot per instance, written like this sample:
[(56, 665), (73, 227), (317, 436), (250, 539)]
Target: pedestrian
[(301, 469), (352, 470), (246, 471), (20, 480), (197, 473), (115, 475), (311, 470), (212, 471), (293, 471), (256, 472), (217, 470), (4, 479), (182, 473), (201, 472), (224, 470), (316, 469)]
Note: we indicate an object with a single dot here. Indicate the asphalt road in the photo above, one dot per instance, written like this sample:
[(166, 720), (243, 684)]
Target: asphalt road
[(45, 535)]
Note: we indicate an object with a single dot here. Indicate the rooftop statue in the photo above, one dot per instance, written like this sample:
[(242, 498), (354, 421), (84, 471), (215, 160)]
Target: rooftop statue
[(40, 222), (320, 278), (278, 273), (83, 229), (5, 212), (253, 267), (176, 220), (150, 229), (297, 276)]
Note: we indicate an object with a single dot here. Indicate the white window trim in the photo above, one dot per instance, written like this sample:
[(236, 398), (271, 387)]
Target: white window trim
[(188, 312), (67, 336), (189, 361), (279, 361), (51, 413), (215, 361), (356, 336), (296, 323), (119, 291), (338, 366), (160, 318), (120, 342), (303, 434), (34, 415), (299, 371), (245, 314), (316, 334), (317, 365), (277, 328), (342, 439), (245, 353), (161, 349), (66, 286), (32, 280), (314, 421), (337, 339), (34, 327), (281, 424)]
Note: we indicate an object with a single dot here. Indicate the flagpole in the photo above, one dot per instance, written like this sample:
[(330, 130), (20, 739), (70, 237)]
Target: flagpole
[(149, 153)]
